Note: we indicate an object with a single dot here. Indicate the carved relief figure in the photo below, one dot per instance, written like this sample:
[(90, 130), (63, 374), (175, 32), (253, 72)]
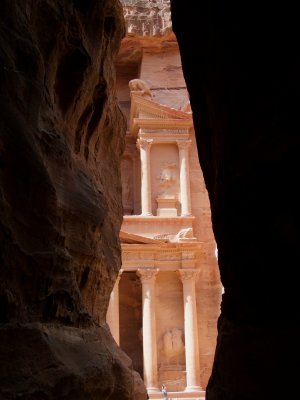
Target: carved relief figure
[(173, 344), (167, 175), (167, 343), (141, 87), (177, 341), (185, 233)]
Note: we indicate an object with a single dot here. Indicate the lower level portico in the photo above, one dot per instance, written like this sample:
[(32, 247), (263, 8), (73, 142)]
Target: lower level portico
[(153, 314)]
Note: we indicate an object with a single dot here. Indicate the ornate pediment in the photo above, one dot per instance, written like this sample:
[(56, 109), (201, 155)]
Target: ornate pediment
[(148, 114)]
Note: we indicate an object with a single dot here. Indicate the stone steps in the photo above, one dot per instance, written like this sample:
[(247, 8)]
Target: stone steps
[(179, 396)]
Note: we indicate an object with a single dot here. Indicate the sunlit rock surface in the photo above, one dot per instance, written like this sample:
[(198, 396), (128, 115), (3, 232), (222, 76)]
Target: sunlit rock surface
[(61, 138), (147, 18)]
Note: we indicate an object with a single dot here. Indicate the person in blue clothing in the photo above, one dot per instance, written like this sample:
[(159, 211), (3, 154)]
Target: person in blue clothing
[(164, 391)]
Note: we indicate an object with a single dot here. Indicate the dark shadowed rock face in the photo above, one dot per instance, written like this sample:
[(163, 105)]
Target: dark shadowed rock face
[(241, 65), (61, 138)]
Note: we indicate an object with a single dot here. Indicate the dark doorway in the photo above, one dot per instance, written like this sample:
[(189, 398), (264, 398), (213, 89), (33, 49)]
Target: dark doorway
[(130, 297)]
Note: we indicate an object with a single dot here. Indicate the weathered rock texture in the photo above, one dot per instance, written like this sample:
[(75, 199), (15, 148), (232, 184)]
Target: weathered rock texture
[(241, 65), (61, 138), (147, 18)]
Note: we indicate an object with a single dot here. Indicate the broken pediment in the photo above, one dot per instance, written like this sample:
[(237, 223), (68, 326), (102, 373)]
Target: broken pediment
[(131, 238)]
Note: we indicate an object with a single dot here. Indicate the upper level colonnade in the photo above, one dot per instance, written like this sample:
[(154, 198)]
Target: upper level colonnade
[(144, 146)]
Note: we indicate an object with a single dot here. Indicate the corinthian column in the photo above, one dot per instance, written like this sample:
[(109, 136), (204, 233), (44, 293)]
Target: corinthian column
[(144, 146), (147, 277), (185, 193), (112, 315), (188, 278)]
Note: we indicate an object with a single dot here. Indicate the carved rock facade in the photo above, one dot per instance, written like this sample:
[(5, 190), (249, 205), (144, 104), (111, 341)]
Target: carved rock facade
[(168, 294)]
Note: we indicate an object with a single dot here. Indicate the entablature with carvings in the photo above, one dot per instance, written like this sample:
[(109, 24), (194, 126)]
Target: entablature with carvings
[(154, 219), (183, 251), (163, 256), (165, 131), (161, 266), (165, 137), (158, 124)]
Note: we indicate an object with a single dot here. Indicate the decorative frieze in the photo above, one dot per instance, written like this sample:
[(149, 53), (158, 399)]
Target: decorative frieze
[(172, 125), (172, 258)]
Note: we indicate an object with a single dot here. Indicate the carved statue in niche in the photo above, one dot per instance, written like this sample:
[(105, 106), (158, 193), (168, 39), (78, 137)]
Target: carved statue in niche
[(167, 175), (140, 87), (173, 345)]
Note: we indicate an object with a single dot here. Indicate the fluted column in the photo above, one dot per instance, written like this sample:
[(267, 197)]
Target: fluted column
[(147, 277), (144, 146), (185, 192), (112, 315), (188, 278)]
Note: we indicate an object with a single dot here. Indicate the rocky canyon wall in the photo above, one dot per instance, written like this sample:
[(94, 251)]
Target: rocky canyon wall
[(61, 138), (241, 65)]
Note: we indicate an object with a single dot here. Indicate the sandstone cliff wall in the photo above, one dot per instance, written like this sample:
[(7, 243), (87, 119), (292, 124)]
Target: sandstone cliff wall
[(243, 80), (61, 138)]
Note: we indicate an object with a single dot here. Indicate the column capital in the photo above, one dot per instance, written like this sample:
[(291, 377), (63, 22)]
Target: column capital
[(147, 275), (188, 274), (144, 143), (183, 144)]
